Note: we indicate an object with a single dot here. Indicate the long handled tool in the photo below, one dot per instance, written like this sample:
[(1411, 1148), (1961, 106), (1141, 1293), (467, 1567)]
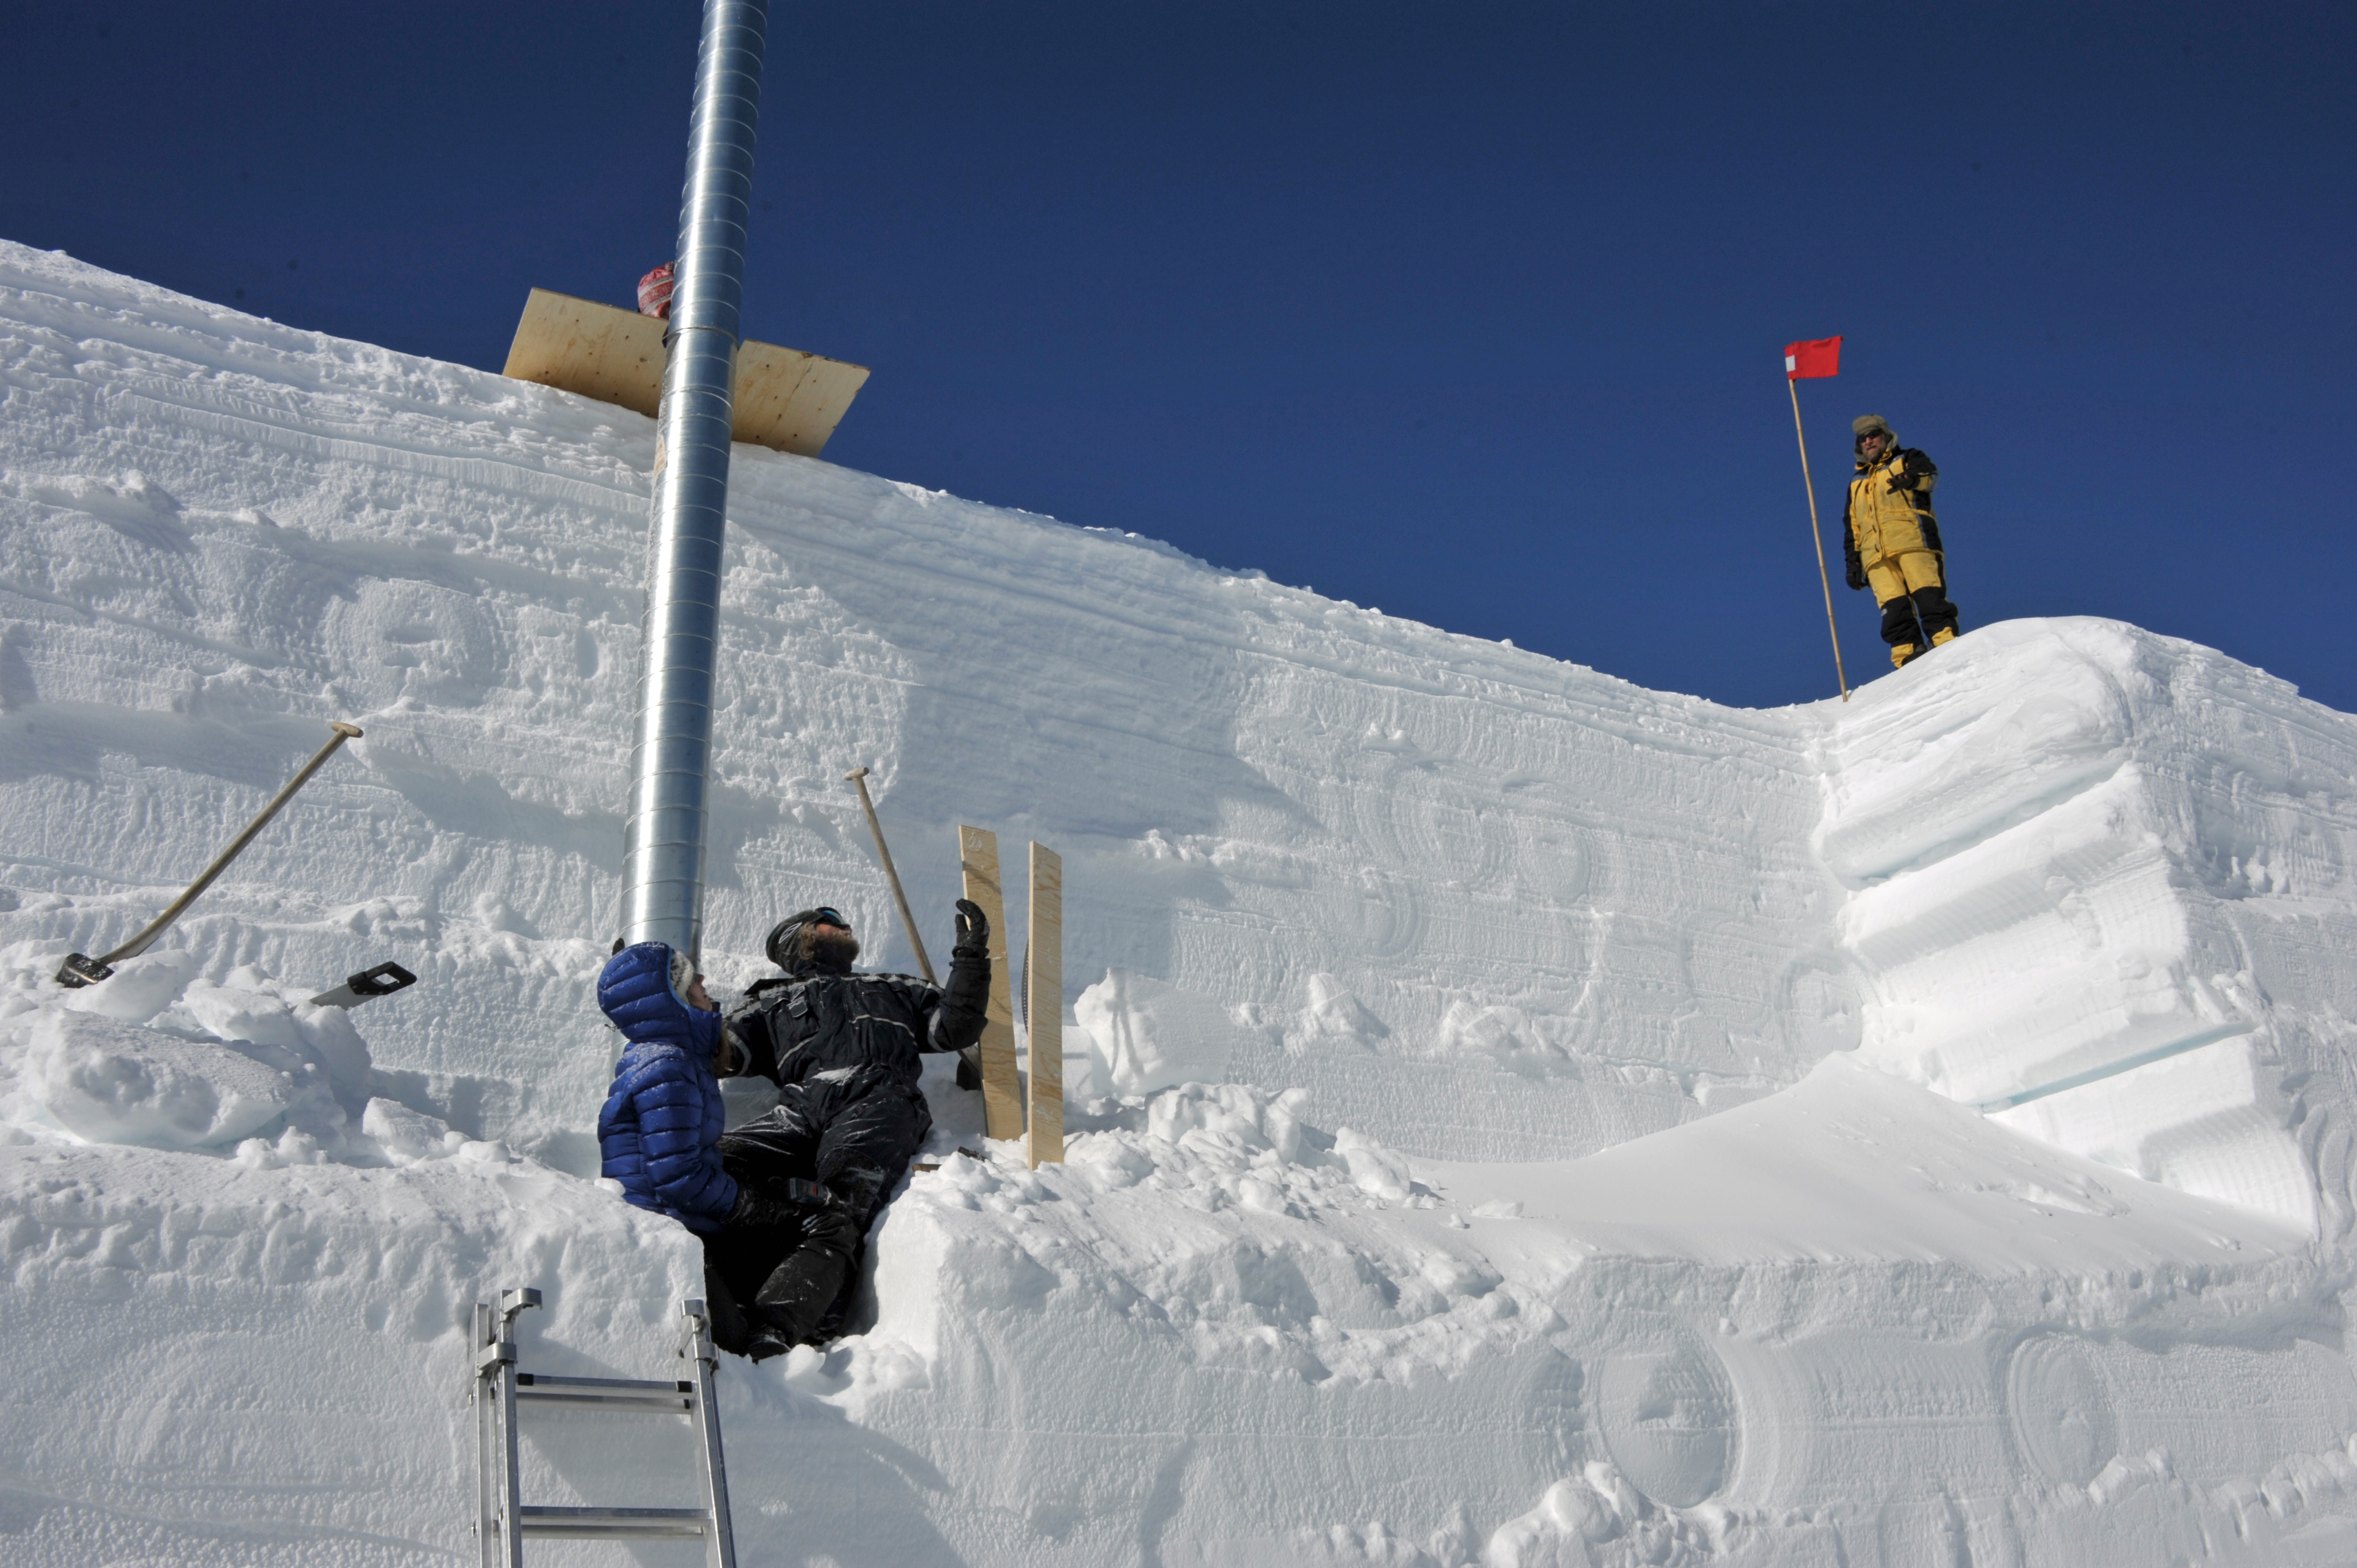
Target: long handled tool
[(970, 1058), (1817, 537), (80, 970), (1811, 361), (858, 780)]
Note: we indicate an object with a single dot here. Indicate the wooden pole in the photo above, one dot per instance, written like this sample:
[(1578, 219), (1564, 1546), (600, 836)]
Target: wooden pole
[(1043, 1007), (858, 777), (1817, 537), (1002, 1096)]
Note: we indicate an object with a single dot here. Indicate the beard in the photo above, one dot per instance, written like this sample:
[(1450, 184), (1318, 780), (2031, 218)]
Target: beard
[(834, 950)]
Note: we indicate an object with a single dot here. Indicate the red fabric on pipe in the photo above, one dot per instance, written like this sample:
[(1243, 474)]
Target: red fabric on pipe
[(654, 293)]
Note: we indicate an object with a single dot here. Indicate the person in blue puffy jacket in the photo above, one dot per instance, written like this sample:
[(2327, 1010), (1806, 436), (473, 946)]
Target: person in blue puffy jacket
[(658, 1134)]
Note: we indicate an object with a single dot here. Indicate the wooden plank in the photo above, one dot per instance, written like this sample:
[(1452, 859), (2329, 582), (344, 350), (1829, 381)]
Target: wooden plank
[(785, 399), (1001, 1095), (791, 401), (581, 345), (1043, 1007)]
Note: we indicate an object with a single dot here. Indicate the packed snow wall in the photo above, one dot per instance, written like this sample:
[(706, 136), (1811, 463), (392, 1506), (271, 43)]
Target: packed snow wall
[(1541, 1120), (1476, 900)]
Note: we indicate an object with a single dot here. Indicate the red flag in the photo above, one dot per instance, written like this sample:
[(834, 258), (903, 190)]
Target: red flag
[(1821, 357)]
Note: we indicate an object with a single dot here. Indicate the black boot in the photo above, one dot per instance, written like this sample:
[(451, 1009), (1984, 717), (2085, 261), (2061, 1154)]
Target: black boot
[(793, 1301), (767, 1340)]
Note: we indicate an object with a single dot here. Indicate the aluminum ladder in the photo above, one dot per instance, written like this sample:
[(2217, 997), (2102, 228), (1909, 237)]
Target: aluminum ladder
[(503, 1518)]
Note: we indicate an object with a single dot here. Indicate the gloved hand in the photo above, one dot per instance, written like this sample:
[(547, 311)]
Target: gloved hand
[(1856, 576), (1915, 472), (966, 1000), (786, 1202), (972, 929)]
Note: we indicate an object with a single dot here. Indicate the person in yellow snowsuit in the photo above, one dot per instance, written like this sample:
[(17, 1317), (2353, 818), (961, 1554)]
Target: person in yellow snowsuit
[(1893, 540)]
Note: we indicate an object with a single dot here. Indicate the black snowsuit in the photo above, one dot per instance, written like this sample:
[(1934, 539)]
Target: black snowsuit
[(842, 1050)]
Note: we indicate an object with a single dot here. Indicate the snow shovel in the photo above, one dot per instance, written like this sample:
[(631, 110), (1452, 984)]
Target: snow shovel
[(858, 780), (78, 969), (969, 1059)]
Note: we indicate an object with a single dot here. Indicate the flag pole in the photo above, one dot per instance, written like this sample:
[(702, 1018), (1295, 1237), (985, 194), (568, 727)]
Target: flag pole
[(1817, 535)]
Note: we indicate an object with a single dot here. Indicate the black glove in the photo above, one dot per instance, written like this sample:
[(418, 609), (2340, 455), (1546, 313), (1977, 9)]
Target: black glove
[(966, 1000), (777, 1202), (1856, 576), (972, 929)]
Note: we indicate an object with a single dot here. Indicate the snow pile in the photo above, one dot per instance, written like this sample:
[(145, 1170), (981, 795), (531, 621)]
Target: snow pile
[(1694, 1344), (114, 1085), (1544, 1121), (1144, 1033)]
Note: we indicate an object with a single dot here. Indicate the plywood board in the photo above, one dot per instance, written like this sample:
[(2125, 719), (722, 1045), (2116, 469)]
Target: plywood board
[(785, 399), (1001, 1095), (791, 401), (581, 345), (1043, 1007)]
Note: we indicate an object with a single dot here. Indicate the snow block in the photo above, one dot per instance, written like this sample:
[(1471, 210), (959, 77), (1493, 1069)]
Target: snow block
[(114, 1083)]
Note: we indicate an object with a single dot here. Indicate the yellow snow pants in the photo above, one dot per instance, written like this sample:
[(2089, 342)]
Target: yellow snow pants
[(1896, 576)]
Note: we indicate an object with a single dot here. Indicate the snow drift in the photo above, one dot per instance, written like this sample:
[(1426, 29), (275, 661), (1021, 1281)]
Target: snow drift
[(1539, 1121)]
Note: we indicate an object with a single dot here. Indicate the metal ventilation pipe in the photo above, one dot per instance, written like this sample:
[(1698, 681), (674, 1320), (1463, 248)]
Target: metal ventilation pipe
[(662, 842)]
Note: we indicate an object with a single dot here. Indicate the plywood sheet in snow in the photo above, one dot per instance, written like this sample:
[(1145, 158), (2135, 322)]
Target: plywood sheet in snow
[(785, 399), (1043, 1007)]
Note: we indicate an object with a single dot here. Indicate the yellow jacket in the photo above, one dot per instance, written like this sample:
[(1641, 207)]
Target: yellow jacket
[(1890, 511)]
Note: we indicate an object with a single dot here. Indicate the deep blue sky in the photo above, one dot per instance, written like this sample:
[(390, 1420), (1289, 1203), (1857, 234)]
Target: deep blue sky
[(1470, 311)]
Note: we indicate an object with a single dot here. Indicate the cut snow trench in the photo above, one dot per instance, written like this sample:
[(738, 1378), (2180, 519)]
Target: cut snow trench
[(1542, 1130)]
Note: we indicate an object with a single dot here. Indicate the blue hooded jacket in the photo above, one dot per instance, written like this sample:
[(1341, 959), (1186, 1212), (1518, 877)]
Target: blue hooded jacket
[(660, 1133)]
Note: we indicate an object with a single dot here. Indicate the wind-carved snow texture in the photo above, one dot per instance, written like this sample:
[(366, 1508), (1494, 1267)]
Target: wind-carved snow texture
[(1543, 1121)]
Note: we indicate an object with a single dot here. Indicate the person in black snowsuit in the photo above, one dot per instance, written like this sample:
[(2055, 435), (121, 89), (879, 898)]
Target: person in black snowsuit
[(843, 1050)]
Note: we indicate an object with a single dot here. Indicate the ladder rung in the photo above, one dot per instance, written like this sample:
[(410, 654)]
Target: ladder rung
[(503, 1520), (653, 1404), (585, 1523), (675, 1398)]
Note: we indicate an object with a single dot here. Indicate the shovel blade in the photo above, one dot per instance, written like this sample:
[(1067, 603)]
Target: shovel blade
[(369, 983), (79, 970)]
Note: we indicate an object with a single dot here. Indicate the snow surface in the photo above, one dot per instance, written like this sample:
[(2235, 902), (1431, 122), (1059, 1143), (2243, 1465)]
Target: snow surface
[(1543, 1121)]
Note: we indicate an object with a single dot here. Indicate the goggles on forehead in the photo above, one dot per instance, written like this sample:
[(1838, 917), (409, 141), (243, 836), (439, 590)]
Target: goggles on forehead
[(829, 918)]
